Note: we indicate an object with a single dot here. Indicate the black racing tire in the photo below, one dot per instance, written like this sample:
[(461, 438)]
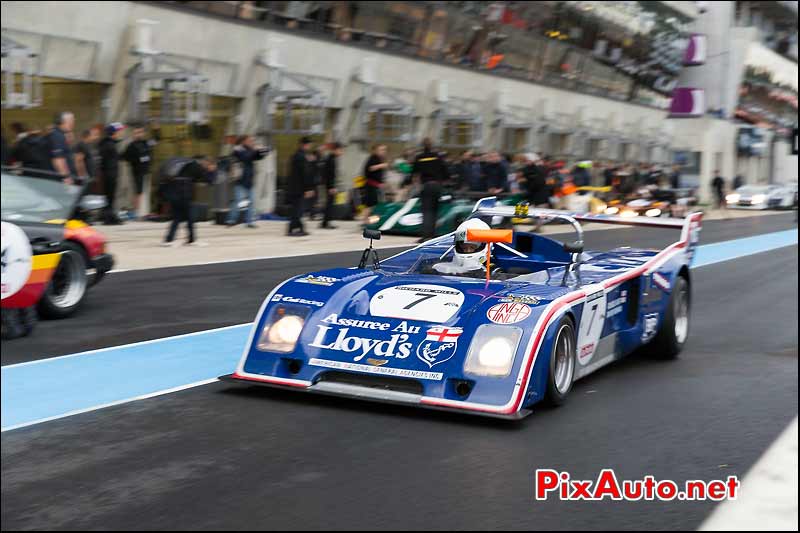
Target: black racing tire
[(674, 332), (67, 289), (559, 384)]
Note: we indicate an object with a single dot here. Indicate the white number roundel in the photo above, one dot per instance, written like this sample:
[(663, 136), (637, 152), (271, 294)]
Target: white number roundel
[(16, 259), (431, 303)]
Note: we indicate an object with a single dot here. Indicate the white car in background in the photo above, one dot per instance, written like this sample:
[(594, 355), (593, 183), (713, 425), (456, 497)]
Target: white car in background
[(776, 196)]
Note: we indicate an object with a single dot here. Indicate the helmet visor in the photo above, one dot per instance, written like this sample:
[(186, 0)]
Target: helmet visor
[(469, 247)]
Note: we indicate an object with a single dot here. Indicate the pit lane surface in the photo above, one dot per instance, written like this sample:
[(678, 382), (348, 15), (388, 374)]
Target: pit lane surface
[(222, 457)]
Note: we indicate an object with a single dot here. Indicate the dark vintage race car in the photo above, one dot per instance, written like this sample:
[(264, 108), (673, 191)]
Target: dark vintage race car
[(414, 329), (32, 202)]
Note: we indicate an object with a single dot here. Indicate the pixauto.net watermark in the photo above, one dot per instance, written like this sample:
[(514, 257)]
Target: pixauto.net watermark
[(553, 484)]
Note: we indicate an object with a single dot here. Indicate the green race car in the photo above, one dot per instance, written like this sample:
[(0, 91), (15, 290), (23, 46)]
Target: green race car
[(405, 218)]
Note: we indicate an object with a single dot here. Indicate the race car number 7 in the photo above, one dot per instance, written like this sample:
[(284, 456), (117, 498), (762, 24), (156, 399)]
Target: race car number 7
[(431, 303), (425, 296), (593, 319)]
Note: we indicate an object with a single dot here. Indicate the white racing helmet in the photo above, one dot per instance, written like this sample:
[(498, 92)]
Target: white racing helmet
[(467, 253)]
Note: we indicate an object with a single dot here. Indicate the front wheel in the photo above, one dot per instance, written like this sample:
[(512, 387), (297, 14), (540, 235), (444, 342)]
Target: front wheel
[(562, 363), (68, 286), (674, 331)]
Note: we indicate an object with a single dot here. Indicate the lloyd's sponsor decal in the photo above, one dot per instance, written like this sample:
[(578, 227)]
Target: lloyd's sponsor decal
[(341, 334), (440, 345), (431, 303), (508, 313)]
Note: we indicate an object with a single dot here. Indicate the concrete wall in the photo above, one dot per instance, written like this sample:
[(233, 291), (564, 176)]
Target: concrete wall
[(111, 24)]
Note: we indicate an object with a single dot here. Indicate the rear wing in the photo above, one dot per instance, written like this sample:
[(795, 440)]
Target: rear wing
[(689, 226)]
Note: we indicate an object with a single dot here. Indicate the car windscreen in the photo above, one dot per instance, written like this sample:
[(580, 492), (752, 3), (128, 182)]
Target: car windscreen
[(750, 189), (27, 199)]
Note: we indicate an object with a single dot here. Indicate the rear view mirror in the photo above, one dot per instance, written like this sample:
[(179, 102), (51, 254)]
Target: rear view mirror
[(372, 234)]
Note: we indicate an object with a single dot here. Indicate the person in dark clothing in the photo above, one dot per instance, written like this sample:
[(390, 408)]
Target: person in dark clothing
[(430, 169), (139, 154), (329, 175), (496, 174), (245, 154), (177, 178), (85, 154), (298, 188), (62, 160), (109, 169), (580, 175), (470, 174), (374, 170), (675, 177), (535, 181), (315, 163), (609, 174), (718, 186), (29, 149)]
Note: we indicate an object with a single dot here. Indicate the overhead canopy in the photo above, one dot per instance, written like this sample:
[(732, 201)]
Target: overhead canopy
[(184, 91), (458, 123), (383, 114), (294, 103), (21, 83)]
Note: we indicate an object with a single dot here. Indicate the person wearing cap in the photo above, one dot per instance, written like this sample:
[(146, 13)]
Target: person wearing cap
[(329, 173), (299, 188), (62, 160), (109, 169)]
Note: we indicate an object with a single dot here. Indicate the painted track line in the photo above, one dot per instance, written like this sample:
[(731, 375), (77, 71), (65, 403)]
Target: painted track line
[(768, 493), (48, 389)]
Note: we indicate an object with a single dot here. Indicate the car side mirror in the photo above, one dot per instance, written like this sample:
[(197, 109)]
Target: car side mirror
[(372, 234), (573, 247)]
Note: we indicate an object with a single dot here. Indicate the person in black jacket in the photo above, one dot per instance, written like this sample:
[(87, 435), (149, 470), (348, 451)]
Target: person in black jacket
[(29, 149), (299, 188), (430, 169), (178, 176), (138, 154), (245, 154), (109, 169), (329, 172)]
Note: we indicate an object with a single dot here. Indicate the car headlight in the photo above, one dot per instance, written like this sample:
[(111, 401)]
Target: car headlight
[(282, 329), (759, 199), (612, 210), (492, 351), (733, 198), (653, 213), (373, 219), (629, 213)]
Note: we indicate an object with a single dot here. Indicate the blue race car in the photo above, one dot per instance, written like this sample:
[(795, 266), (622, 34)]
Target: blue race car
[(484, 321)]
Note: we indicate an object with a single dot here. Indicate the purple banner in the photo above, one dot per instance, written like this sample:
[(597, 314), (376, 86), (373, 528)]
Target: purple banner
[(696, 51), (687, 102)]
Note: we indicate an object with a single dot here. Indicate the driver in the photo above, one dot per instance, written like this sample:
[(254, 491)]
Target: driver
[(468, 257)]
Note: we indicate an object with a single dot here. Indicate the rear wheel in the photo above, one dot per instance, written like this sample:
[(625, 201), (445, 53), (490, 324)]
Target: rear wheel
[(674, 331), (562, 363), (68, 287)]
